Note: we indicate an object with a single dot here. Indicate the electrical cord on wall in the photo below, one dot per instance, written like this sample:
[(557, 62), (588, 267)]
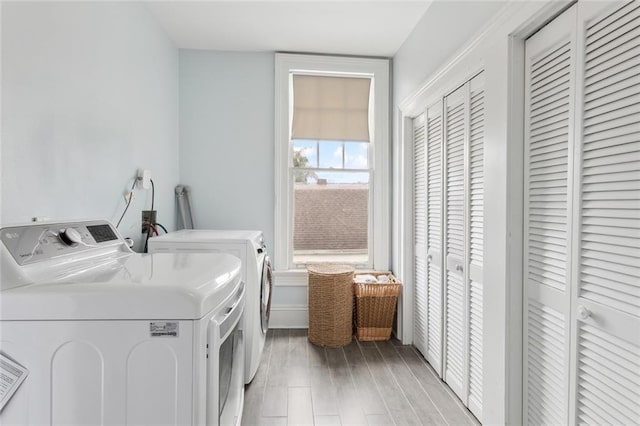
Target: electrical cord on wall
[(155, 230), (128, 203), (163, 228), (149, 229)]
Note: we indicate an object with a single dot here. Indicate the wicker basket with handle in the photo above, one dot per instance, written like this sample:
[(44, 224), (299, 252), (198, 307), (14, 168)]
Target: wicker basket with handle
[(375, 305)]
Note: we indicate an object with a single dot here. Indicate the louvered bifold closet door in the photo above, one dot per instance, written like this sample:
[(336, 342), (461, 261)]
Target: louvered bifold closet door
[(476, 240), (427, 134), (434, 236), (606, 370), (455, 294), (421, 310), (549, 105)]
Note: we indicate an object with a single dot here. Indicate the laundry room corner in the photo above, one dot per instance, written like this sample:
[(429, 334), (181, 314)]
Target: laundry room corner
[(226, 132), (89, 96)]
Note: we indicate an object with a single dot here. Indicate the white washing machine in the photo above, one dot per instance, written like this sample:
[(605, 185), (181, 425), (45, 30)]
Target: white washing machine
[(108, 336), (256, 271)]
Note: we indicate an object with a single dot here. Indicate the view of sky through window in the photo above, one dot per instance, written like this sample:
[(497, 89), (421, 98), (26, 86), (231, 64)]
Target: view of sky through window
[(346, 156)]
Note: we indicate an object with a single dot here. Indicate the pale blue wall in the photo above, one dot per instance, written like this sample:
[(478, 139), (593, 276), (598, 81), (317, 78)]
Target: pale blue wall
[(89, 95), (226, 138)]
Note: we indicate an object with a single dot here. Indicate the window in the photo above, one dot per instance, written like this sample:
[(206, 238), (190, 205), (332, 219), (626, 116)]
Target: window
[(330, 201), (332, 161)]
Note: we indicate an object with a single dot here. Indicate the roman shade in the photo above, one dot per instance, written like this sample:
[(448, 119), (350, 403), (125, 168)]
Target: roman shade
[(330, 108)]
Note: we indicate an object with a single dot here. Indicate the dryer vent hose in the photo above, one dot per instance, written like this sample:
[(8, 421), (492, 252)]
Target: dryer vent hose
[(185, 209)]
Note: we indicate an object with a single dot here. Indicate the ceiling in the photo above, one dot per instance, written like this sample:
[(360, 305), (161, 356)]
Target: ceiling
[(361, 27)]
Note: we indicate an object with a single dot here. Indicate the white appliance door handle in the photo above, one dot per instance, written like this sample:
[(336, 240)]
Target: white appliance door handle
[(235, 304)]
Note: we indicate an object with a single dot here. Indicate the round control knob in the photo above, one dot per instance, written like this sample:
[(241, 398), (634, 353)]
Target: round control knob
[(70, 237), (583, 312)]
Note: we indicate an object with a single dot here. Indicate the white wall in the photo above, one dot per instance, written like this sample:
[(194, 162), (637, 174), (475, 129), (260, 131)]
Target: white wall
[(445, 27), (226, 138), (89, 95), (495, 51)]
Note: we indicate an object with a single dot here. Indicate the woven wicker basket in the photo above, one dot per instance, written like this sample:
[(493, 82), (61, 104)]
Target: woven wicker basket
[(375, 308), (330, 304)]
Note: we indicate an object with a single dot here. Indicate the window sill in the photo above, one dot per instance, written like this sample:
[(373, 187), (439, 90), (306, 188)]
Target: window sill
[(299, 277), (357, 258)]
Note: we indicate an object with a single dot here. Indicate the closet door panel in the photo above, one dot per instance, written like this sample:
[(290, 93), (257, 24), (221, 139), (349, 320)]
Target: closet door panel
[(420, 234), (608, 386), (476, 240), (428, 234), (607, 226), (549, 114), (609, 222), (449, 147), (434, 235), (456, 134)]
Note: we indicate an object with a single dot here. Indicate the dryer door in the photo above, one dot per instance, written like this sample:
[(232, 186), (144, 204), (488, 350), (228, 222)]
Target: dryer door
[(266, 285), (225, 368)]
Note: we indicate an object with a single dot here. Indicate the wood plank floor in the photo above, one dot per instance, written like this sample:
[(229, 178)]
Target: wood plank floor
[(364, 383)]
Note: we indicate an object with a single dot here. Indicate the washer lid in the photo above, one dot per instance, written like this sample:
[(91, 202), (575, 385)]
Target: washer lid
[(186, 236), (152, 286)]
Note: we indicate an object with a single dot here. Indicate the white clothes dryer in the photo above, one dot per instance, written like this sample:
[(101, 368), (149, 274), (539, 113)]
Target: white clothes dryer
[(256, 272), (108, 336)]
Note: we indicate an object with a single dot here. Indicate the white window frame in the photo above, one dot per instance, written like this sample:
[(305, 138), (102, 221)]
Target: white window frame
[(379, 152)]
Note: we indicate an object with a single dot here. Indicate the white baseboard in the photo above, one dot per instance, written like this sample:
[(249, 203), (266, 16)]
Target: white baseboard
[(289, 316)]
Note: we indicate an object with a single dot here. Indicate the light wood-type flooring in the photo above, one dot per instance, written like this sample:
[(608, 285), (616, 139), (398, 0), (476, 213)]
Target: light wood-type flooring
[(363, 383)]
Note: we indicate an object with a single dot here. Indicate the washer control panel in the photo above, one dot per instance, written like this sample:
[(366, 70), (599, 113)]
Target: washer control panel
[(38, 242)]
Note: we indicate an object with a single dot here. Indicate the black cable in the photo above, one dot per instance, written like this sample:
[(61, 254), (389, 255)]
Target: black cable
[(163, 228), (128, 202), (149, 230)]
